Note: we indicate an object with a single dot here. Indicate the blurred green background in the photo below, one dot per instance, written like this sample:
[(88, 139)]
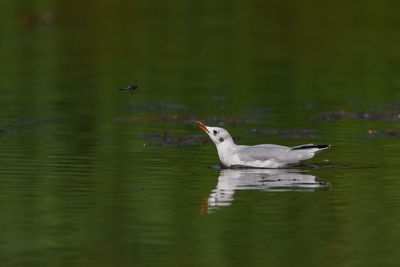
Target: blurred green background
[(92, 176)]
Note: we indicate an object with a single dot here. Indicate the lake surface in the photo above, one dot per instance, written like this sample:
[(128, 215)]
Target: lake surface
[(94, 176)]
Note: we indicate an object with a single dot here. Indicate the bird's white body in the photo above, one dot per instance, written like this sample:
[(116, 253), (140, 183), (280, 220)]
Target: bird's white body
[(259, 156)]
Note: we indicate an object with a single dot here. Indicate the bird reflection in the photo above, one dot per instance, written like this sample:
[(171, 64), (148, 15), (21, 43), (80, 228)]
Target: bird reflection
[(271, 180)]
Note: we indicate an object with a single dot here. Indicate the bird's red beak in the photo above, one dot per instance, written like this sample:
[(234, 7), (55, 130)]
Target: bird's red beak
[(202, 126)]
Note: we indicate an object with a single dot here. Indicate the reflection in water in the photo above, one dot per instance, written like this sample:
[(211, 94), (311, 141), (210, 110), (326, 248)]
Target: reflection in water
[(272, 180)]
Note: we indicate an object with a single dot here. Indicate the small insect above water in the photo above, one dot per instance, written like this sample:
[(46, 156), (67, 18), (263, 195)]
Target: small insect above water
[(131, 88)]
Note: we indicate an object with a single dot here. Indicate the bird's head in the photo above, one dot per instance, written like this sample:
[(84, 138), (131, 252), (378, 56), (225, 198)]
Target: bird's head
[(218, 135)]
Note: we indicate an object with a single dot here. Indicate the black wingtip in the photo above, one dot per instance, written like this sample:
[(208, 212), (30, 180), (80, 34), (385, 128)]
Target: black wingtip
[(323, 146), (311, 146)]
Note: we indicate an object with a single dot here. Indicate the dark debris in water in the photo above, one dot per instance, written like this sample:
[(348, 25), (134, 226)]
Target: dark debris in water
[(287, 133), (131, 88), (368, 115), (166, 139)]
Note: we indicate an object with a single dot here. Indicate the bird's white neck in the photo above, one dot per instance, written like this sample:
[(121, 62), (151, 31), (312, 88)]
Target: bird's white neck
[(225, 150)]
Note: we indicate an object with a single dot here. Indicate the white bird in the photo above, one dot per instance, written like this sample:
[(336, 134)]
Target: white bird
[(258, 156)]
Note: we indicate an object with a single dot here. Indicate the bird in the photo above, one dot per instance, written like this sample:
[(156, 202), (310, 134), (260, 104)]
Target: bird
[(258, 156)]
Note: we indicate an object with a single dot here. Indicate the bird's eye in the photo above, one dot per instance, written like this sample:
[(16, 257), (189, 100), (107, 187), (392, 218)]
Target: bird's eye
[(221, 139), (215, 132)]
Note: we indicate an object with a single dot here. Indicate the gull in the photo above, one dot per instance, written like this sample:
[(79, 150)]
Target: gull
[(258, 156)]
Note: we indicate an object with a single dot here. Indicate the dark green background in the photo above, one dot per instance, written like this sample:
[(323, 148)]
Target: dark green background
[(80, 185)]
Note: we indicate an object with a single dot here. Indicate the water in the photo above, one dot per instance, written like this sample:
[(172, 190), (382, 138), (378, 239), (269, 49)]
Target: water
[(92, 176)]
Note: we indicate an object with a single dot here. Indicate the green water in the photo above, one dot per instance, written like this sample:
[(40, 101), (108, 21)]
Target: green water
[(91, 176)]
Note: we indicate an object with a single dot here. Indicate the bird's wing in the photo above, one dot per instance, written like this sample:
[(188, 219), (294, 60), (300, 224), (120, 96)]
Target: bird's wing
[(279, 153), (263, 152)]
